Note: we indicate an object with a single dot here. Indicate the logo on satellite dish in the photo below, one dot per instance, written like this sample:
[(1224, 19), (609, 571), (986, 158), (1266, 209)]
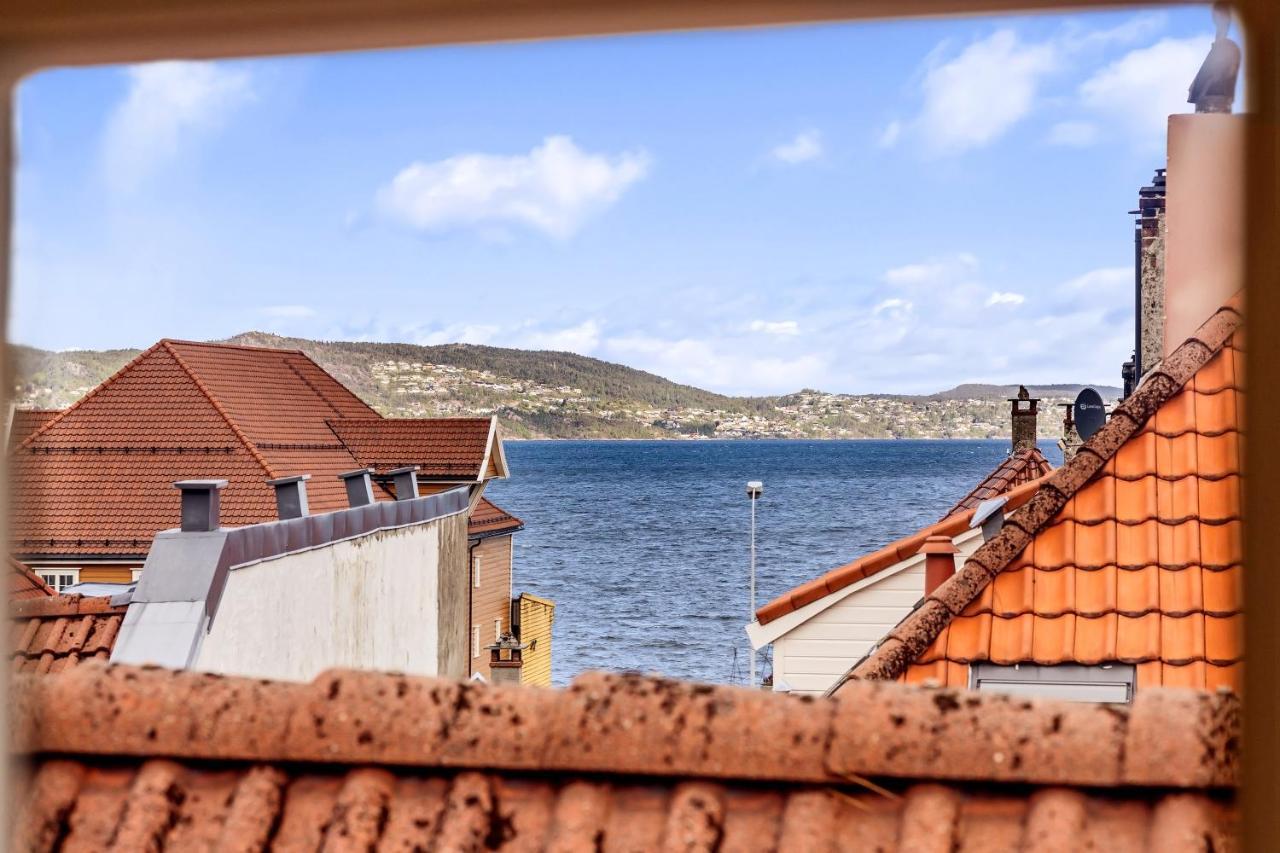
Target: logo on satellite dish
[(1089, 413)]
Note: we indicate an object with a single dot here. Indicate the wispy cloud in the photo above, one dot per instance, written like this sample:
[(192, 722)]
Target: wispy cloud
[(786, 328), (167, 104), (805, 146), (553, 189), (889, 136), (1074, 134), (290, 312), (998, 297)]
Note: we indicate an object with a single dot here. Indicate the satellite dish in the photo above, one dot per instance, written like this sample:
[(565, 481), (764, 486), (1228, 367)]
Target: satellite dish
[(1089, 413)]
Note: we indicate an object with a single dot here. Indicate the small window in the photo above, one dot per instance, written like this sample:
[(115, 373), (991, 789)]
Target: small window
[(475, 572), (1110, 683), (497, 630), (135, 574), (475, 641), (59, 579)]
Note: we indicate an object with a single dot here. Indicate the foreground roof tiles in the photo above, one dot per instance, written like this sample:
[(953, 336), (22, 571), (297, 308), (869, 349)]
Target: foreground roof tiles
[(53, 633), (175, 760), (890, 555), (24, 583), (1132, 552), (96, 479), (1018, 468)]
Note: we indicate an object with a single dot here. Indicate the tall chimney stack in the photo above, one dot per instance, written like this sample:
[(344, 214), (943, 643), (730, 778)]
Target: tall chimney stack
[(291, 495), (359, 485), (939, 561), (1024, 410), (201, 504)]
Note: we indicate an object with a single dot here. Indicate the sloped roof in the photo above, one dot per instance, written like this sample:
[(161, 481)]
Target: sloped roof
[(180, 760), (24, 583), (53, 633), (442, 447), (488, 519), (877, 561), (96, 478), (1020, 466), (26, 421), (1131, 552)]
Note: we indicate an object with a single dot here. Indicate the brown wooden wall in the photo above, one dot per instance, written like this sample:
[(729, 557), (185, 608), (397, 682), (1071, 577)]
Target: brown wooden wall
[(491, 601)]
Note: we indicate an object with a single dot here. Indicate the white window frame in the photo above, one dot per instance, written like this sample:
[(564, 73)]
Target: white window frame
[(1109, 683), (135, 574), (497, 630), (475, 641), (475, 571), (51, 574)]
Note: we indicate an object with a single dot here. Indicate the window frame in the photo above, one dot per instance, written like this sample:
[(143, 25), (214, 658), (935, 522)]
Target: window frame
[(475, 641), (1072, 682), (45, 572)]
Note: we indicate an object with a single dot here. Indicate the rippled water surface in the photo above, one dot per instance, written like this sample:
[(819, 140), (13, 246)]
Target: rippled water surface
[(644, 545)]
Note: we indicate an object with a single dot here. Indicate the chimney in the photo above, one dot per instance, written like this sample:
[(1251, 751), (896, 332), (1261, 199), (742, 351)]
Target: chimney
[(291, 495), (1149, 238), (359, 485), (1024, 412), (201, 504), (505, 660), (939, 561), (1071, 440), (406, 482)]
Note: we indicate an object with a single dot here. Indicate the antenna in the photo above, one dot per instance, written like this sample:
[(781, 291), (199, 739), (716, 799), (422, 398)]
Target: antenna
[(1089, 413), (755, 489)]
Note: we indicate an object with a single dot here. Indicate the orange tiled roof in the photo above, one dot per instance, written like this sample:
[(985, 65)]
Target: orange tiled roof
[(488, 518), (446, 448), (52, 633), (96, 479), (1021, 466), (892, 554), (1132, 552), (183, 760), (24, 583), (27, 421)]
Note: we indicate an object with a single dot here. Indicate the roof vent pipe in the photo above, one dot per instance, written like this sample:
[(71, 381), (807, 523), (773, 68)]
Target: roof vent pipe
[(406, 482), (201, 504), (939, 561), (359, 486), (291, 495)]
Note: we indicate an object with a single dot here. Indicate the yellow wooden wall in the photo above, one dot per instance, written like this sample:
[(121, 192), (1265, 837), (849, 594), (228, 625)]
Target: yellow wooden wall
[(537, 616)]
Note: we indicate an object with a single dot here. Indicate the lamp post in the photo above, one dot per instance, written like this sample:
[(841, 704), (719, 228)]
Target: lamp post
[(755, 489)]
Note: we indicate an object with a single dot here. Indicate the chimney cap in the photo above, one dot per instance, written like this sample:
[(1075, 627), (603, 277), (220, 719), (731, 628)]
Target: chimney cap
[(358, 472), (200, 485), (939, 544), (284, 481)]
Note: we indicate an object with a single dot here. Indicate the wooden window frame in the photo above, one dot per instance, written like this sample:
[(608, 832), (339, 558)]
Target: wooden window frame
[(45, 572), (36, 35)]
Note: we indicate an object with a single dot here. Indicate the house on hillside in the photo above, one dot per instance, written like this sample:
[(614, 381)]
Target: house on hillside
[(1125, 571), (819, 628), (92, 484)]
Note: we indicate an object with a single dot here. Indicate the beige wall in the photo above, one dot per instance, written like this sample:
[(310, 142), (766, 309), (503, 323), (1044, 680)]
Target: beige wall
[(383, 601), (1204, 220), (537, 618), (491, 600)]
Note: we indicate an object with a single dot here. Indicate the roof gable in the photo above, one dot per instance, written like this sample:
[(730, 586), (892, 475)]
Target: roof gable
[(1019, 467), (1131, 552), (445, 448), (24, 583)]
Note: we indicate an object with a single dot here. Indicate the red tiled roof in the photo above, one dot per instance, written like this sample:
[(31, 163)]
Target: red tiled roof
[(1021, 466), (1132, 552), (53, 633), (96, 479), (488, 518), (877, 561), (441, 447), (182, 760), (27, 421), (24, 583)]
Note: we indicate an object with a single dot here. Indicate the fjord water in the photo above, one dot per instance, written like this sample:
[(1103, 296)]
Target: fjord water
[(644, 545)]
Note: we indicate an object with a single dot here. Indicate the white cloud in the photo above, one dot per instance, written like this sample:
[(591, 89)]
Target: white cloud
[(716, 363), (931, 271), (1142, 88), (292, 312), (806, 146), (892, 304), (998, 297), (554, 189), (1075, 134), (458, 333), (785, 328), (977, 96), (889, 136), (168, 103), (584, 338)]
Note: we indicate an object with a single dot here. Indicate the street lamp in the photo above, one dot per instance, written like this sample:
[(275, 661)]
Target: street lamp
[(755, 489)]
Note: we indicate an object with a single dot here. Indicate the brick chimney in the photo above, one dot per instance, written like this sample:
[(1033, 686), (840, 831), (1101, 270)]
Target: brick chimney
[(1149, 238), (939, 561), (1024, 411), (1071, 440), (201, 504), (505, 660), (291, 496)]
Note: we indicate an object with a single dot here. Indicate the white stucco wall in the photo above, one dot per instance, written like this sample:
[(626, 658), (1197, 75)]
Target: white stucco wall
[(370, 603)]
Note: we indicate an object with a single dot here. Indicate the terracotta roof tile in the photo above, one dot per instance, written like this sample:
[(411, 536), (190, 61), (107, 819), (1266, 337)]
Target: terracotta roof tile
[(54, 632), (365, 760), (27, 421), (489, 518), (24, 583), (1131, 552), (441, 447), (1021, 466)]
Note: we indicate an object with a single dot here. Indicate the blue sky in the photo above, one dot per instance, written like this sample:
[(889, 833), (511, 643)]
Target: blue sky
[(884, 207)]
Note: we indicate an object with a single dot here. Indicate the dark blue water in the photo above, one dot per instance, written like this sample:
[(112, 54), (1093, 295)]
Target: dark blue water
[(644, 545)]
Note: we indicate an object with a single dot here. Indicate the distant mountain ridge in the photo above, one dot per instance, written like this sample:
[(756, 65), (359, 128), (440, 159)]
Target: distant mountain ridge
[(540, 394)]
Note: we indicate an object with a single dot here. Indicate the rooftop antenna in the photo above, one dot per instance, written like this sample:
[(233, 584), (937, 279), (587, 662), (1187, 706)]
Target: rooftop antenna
[(755, 489)]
